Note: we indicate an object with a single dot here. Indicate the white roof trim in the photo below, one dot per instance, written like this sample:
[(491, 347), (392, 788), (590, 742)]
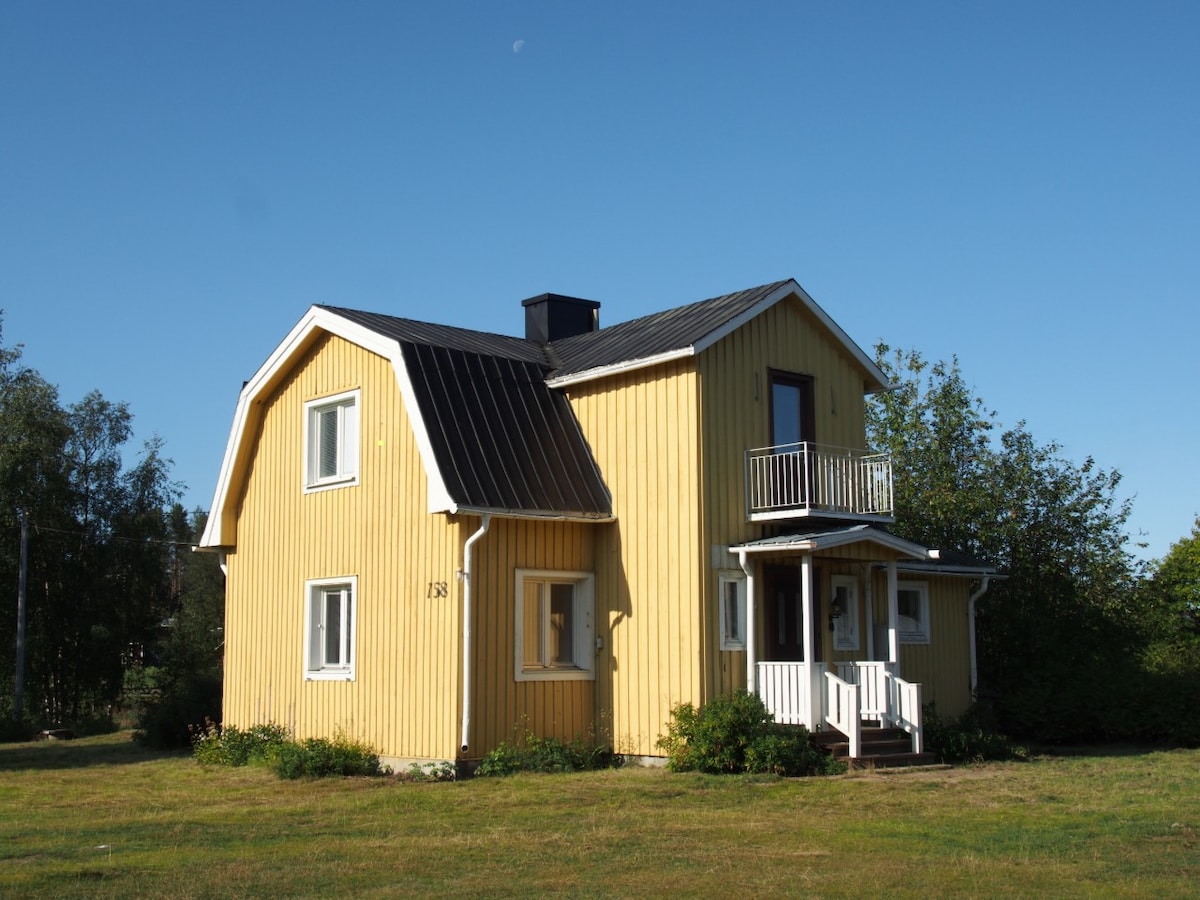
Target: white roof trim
[(537, 514), (828, 540), (726, 328), (628, 365), (246, 414)]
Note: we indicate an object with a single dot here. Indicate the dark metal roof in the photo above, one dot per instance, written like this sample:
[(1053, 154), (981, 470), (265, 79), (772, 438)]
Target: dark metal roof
[(429, 334), (653, 335), (502, 438)]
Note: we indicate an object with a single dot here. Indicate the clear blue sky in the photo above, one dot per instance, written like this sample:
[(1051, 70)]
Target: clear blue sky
[(1017, 183)]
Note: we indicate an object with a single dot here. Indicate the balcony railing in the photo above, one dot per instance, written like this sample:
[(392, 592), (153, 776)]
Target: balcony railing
[(812, 479)]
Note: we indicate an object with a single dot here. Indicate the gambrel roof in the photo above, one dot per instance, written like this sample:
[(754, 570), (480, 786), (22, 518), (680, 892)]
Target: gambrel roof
[(495, 431)]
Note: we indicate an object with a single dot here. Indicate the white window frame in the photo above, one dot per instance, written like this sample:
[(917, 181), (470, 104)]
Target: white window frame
[(347, 404), (315, 666), (845, 626), (733, 634), (583, 635), (918, 635)]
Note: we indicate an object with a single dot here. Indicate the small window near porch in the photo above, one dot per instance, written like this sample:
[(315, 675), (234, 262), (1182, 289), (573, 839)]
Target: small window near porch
[(912, 606), (731, 591), (843, 609)]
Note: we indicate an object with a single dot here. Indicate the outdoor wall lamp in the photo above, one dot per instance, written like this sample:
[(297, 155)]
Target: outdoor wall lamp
[(836, 610)]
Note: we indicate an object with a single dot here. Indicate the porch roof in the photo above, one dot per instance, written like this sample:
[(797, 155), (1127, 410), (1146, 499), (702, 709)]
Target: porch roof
[(812, 541)]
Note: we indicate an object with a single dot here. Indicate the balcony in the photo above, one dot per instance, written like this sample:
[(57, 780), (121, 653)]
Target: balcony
[(797, 480)]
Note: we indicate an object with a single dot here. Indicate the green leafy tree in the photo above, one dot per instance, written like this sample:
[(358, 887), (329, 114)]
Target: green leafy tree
[(97, 564), (1060, 635), (188, 666)]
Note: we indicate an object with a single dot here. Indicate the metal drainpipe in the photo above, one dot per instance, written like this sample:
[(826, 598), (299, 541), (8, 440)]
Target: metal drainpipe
[(971, 631), (468, 650), (751, 630)]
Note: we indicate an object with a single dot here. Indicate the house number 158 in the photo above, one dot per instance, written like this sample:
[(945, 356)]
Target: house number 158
[(437, 589)]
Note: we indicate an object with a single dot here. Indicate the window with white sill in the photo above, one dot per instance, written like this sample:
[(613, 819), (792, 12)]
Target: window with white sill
[(331, 441), (555, 631)]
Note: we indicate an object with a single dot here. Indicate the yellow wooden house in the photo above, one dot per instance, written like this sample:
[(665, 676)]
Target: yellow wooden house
[(436, 539)]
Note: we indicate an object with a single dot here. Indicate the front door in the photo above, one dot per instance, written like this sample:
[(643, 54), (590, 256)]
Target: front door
[(783, 614)]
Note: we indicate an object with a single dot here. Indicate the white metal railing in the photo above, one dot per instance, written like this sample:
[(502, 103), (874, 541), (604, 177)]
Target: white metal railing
[(841, 710), (809, 477), (799, 694)]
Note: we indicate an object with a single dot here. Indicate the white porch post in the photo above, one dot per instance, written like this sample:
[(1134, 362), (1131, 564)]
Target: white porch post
[(893, 592), (869, 605), (810, 642), (751, 624)]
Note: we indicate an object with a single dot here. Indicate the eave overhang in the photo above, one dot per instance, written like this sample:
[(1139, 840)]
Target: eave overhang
[(827, 540)]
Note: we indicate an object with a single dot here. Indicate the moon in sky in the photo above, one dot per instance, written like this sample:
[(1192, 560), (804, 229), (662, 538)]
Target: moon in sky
[(517, 45)]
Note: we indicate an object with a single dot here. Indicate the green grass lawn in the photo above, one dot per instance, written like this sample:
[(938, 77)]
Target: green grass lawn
[(101, 817)]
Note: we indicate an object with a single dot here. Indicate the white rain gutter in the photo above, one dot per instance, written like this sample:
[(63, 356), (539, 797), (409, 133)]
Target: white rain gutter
[(468, 650), (751, 639), (971, 631)]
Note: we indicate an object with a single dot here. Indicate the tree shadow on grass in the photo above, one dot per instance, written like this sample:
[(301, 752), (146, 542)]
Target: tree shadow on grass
[(117, 749)]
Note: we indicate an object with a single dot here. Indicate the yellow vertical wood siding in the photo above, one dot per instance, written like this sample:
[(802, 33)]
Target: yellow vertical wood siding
[(650, 564), (943, 666), (405, 694), (505, 708), (734, 383)]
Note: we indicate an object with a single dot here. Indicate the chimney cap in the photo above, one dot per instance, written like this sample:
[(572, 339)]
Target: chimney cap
[(561, 299)]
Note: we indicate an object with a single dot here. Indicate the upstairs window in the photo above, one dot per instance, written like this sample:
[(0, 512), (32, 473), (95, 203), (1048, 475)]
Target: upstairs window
[(731, 594), (912, 602), (329, 627), (331, 441), (555, 636)]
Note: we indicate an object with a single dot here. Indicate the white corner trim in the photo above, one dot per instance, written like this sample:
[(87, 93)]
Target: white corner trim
[(439, 498), (246, 415)]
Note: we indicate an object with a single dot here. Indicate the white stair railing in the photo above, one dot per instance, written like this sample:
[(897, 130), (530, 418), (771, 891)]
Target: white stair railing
[(841, 710), (904, 708)]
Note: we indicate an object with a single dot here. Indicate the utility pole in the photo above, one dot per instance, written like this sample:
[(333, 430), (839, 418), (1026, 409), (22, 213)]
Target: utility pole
[(19, 700)]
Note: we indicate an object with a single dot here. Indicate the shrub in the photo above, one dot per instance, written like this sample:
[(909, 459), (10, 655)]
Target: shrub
[(548, 755), (736, 733), (321, 758), (215, 745), (967, 738), (439, 771)]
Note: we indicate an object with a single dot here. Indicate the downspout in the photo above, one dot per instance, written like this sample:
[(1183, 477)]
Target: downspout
[(971, 631), (468, 650), (751, 625)]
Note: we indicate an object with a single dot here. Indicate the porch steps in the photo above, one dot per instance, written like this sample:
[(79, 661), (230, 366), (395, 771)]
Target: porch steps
[(882, 748)]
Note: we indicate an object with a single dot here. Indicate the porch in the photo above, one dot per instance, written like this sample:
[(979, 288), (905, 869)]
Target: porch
[(789, 611), (804, 479), (844, 696)]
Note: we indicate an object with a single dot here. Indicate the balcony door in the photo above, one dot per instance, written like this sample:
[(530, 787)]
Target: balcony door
[(793, 422), (792, 419)]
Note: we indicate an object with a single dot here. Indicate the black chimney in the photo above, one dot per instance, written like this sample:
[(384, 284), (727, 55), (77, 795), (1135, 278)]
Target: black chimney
[(552, 317)]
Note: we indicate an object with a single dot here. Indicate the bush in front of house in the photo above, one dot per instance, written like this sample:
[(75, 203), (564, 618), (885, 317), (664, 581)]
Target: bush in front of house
[(736, 733), (547, 755), (322, 758), (966, 738), (272, 746)]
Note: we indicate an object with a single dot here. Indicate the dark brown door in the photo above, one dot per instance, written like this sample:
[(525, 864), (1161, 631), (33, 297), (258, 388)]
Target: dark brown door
[(793, 427), (783, 614)]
